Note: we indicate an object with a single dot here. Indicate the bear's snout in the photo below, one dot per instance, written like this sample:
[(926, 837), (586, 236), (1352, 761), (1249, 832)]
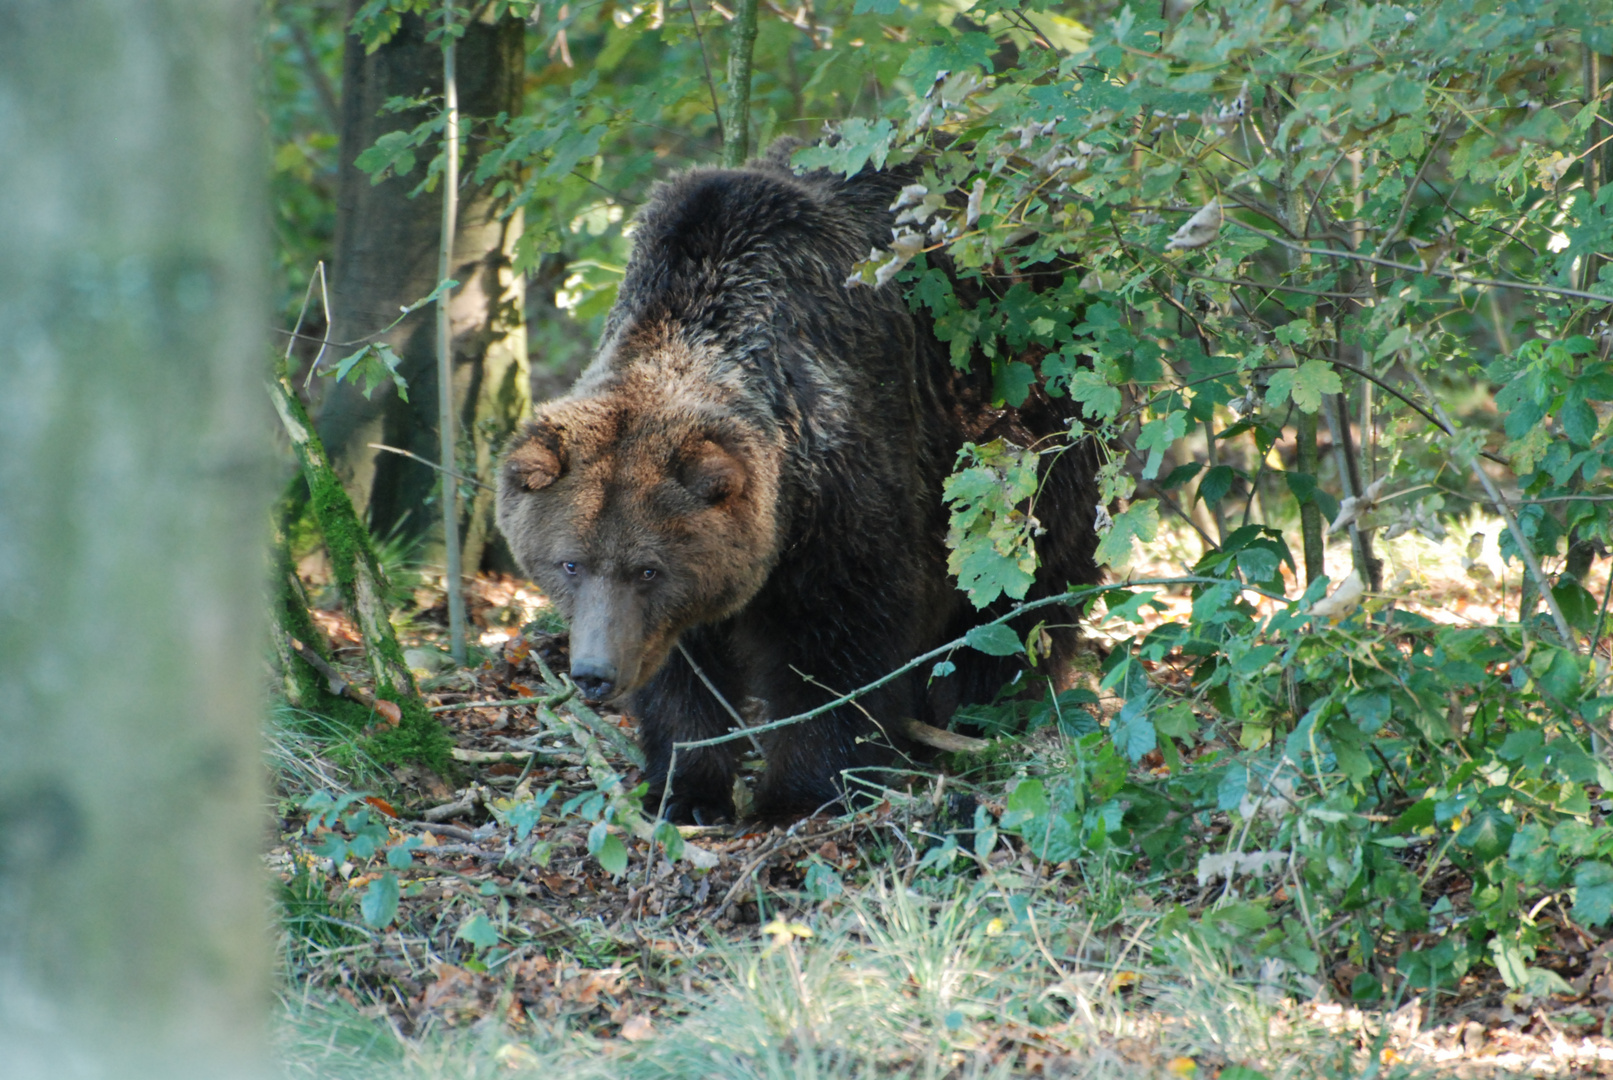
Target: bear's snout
[(595, 678)]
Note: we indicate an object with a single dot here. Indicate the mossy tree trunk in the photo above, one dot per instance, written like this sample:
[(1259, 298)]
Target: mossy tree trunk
[(133, 484), (386, 257), (416, 736)]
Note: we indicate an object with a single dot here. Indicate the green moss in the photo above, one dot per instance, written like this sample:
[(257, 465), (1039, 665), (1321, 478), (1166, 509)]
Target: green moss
[(419, 738), (344, 536)]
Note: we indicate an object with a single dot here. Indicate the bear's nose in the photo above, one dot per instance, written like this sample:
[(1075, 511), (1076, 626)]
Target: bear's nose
[(595, 678)]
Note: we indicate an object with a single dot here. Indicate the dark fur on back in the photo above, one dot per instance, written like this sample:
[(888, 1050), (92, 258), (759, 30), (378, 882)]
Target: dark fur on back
[(734, 329)]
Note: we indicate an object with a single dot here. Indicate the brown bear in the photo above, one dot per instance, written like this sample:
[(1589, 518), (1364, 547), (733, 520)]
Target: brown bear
[(751, 468)]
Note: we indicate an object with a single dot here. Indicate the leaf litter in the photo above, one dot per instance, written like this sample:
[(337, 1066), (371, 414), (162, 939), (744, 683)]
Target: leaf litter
[(647, 956)]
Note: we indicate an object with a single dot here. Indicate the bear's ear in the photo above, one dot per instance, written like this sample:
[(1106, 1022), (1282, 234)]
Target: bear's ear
[(538, 460), (712, 473)]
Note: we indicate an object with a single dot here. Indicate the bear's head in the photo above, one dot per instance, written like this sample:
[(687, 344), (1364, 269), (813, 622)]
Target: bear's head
[(641, 512)]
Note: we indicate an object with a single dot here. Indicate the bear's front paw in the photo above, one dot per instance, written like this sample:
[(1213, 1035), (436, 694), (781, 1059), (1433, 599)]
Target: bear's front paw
[(690, 810)]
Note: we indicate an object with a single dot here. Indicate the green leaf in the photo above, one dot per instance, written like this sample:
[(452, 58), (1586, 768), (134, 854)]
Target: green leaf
[(1510, 962), (1139, 521), (479, 931), (1314, 379), (1578, 419), (371, 366), (861, 141), (1181, 475), (671, 840), (996, 639), (992, 535), (1176, 720), (1488, 834), (398, 856), (1305, 489), (1215, 485), (1133, 731), (1131, 610), (1012, 382), (1233, 787), (1593, 893), (443, 286), (1419, 815), (1029, 797), (612, 855), (1578, 606), (380, 903), (392, 152), (821, 882), (1156, 437), (1099, 399)]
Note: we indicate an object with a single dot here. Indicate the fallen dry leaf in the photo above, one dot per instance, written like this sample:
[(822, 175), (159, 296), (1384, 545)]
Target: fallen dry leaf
[(638, 1028), (381, 804)]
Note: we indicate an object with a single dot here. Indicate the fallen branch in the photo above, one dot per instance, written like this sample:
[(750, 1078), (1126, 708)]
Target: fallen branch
[(469, 836), (335, 680), (547, 702), (471, 800), (628, 813), (511, 757), (934, 737), (785, 841)]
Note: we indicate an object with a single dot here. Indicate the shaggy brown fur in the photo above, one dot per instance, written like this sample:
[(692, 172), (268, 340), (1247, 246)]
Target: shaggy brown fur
[(752, 466)]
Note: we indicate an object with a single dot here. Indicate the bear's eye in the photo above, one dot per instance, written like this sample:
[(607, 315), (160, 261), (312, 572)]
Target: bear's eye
[(648, 573), (569, 567)]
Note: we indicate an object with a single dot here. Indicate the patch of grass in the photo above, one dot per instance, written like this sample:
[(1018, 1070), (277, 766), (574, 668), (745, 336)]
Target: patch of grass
[(994, 980)]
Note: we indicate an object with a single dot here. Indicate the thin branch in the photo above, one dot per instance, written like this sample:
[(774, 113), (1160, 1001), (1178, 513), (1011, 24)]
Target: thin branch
[(1269, 287), (711, 84), (721, 700), (1505, 509), (1411, 192), (1071, 597), (429, 464), (1426, 271)]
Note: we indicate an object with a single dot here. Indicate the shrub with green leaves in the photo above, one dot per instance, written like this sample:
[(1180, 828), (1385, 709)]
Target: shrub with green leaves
[(1267, 220)]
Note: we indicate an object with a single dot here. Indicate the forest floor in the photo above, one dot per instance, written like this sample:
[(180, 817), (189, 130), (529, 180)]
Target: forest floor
[(829, 948)]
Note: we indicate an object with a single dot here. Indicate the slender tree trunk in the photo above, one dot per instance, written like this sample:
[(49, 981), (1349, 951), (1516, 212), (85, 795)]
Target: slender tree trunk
[(386, 257), (741, 47), (133, 491), (1310, 514)]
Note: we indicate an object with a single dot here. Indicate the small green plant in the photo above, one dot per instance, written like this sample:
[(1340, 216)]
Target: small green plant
[(355, 830)]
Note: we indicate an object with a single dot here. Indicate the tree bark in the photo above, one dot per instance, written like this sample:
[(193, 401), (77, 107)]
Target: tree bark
[(386, 257), (133, 488)]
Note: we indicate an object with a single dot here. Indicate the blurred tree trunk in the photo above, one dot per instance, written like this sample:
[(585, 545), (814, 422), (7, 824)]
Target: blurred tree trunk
[(386, 257), (133, 490)]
